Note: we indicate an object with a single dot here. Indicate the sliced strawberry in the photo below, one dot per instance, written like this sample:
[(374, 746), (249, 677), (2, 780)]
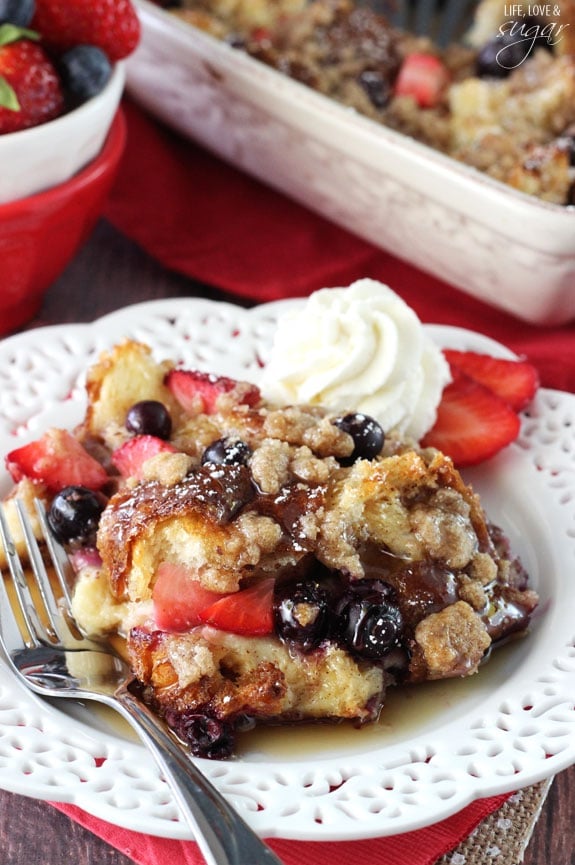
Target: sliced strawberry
[(515, 381), (473, 423), (248, 612), (131, 456), (261, 34), (179, 598), (423, 77), (199, 392), (58, 460), (85, 557)]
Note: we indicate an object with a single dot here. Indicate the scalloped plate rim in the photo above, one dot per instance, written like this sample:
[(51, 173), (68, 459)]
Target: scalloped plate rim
[(127, 321)]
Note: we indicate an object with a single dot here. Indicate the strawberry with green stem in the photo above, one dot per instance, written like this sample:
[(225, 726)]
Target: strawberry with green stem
[(30, 88)]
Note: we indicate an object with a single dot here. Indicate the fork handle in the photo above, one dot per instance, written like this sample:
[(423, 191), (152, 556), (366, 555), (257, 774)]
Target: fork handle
[(223, 837)]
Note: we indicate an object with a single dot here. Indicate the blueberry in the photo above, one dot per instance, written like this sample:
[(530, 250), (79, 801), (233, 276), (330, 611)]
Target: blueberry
[(370, 623), (227, 451), (302, 613), (376, 86), (85, 70), (149, 417), (17, 12), (75, 513), (502, 54), (567, 142), (235, 40), (368, 436), (205, 736)]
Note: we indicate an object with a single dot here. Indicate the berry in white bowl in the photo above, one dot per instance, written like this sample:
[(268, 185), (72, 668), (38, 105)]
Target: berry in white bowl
[(44, 156), (61, 80)]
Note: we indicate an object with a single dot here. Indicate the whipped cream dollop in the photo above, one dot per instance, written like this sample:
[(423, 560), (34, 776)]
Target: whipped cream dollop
[(360, 348)]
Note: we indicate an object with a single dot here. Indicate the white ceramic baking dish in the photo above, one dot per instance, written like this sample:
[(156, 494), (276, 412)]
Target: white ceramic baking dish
[(506, 248)]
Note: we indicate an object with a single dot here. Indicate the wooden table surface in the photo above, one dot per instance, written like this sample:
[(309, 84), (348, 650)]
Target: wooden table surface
[(109, 273)]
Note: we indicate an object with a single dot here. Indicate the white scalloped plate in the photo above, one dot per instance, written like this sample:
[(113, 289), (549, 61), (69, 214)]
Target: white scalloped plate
[(437, 748)]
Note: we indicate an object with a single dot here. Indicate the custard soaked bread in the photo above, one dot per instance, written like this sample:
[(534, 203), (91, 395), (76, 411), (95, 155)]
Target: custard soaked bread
[(271, 563)]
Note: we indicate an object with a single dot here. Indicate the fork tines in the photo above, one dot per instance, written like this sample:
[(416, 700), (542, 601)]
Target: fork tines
[(37, 610)]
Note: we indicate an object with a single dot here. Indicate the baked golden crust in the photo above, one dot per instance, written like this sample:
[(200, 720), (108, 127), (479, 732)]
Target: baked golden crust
[(121, 377), (226, 675), (189, 522), (294, 511), (518, 129)]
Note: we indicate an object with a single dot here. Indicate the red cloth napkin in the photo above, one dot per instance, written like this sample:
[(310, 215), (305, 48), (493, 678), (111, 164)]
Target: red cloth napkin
[(201, 217), (422, 847)]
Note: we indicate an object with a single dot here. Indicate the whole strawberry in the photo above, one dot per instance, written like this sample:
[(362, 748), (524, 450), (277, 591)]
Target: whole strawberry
[(111, 25), (30, 88)]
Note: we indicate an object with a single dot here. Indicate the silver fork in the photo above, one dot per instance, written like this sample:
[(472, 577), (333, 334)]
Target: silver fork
[(47, 652)]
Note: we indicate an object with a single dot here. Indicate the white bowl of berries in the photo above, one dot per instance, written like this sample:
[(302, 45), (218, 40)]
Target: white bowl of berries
[(61, 80)]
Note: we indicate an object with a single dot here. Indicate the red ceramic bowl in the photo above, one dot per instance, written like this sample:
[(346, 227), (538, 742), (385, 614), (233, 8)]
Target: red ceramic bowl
[(39, 235)]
